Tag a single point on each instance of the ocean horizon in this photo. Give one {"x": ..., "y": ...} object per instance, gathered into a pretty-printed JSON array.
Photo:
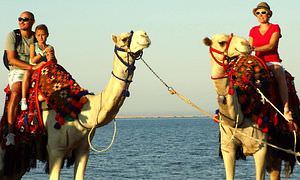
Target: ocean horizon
[{"x": 156, "y": 116}]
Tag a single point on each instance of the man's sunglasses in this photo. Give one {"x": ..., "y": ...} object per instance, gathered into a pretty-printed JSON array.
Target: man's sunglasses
[
  {"x": 20, "y": 19},
  {"x": 262, "y": 12}
]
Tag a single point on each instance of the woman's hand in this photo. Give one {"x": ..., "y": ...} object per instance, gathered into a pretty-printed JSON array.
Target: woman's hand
[{"x": 39, "y": 65}]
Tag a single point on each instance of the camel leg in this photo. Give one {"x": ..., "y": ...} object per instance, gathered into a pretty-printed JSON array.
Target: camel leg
[
  {"x": 229, "y": 163},
  {"x": 228, "y": 149},
  {"x": 2, "y": 177},
  {"x": 55, "y": 163},
  {"x": 275, "y": 173},
  {"x": 273, "y": 167},
  {"x": 260, "y": 163},
  {"x": 81, "y": 158}
]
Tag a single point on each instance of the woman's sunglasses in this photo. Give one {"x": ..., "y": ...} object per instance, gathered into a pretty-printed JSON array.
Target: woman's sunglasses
[
  {"x": 262, "y": 12},
  {"x": 20, "y": 19}
]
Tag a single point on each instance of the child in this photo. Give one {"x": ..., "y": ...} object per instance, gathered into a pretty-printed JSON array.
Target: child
[{"x": 39, "y": 51}]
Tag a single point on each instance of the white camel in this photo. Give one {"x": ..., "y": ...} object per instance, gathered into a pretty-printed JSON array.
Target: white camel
[
  {"x": 222, "y": 49},
  {"x": 98, "y": 111}
]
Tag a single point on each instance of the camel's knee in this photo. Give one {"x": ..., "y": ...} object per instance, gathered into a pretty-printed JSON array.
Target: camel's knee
[
  {"x": 261, "y": 153},
  {"x": 55, "y": 156},
  {"x": 274, "y": 175}
]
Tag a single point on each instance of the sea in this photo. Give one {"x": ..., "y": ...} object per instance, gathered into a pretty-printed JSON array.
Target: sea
[{"x": 158, "y": 148}]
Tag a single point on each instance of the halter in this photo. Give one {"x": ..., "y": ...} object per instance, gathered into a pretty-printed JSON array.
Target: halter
[
  {"x": 130, "y": 67},
  {"x": 222, "y": 63},
  {"x": 225, "y": 57}
]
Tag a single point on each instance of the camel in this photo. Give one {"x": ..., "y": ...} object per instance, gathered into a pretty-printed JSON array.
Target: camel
[
  {"x": 222, "y": 48},
  {"x": 99, "y": 110},
  {"x": 229, "y": 55}
]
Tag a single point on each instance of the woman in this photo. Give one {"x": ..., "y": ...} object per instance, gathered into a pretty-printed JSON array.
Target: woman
[{"x": 264, "y": 40}]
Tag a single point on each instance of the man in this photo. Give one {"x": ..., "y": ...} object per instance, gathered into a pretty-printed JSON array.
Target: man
[{"x": 18, "y": 58}]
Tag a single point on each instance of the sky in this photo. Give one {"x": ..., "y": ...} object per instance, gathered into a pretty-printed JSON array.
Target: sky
[{"x": 80, "y": 32}]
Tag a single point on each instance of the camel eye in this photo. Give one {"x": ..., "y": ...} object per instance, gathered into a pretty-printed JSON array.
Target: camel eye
[
  {"x": 245, "y": 43},
  {"x": 222, "y": 43},
  {"x": 125, "y": 39}
]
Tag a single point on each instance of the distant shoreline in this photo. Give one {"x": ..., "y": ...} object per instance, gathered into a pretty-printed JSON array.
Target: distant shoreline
[
  {"x": 162, "y": 116},
  {"x": 153, "y": 117}
]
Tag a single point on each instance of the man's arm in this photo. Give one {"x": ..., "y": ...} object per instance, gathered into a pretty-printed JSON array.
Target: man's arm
[{"x": 11, "y": 56}]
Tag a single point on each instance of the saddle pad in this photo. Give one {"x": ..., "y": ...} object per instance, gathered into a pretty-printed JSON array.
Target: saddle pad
[
  {"x": 60, "y": 91},
  {"x": 248, "y": 74}
]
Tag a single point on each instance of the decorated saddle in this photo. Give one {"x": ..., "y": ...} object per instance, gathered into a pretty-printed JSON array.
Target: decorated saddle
[
  {"x": 251, "y": 78},
  {"x": 250, "y": 75},
  {"x": 60, "y": 92}
]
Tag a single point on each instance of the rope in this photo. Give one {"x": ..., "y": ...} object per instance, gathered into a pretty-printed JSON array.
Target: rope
[
  {"x": 130, "y": 68},
  {"x": 155, "y": 74},
  {"x": 271, "y": 145},
  {"x": 186, "y": 100},
  {"x": 234, "y": 131},
  {"x": 111, "y": 143},
  {"x": 264, "y": 98},
  {"x": 93, "y": 129}
]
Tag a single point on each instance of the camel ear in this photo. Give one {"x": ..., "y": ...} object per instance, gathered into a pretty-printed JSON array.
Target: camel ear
[
  {"x": 114, "y": 38},
  {"x": 207, "y": 41}
]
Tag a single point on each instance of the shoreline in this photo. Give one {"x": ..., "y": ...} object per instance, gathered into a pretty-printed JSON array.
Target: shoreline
[{"x": 155, "y": 116}]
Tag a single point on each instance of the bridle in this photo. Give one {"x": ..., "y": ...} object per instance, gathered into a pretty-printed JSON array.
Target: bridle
[
  {"x": 225, "y": 58},
  {"x": 230, "y": 60},
  {"x": 130, "y": 67}
]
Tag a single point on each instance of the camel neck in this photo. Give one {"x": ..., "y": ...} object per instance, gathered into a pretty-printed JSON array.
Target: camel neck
[{"x": 112, "y": 97}]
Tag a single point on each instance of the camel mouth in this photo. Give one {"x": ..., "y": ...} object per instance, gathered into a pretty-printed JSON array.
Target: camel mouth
[
  {"x": 145, "y": 44},
  {"x": 243, "y": 52}
]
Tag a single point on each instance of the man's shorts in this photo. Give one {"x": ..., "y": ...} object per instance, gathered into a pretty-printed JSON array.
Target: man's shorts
[{"x": 15, "y": 75}]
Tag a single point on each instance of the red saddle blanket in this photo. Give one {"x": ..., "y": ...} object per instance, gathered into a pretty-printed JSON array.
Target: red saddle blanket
[
  {"x": 59, "y": 90},
  {"x": 250, "y": 74}
]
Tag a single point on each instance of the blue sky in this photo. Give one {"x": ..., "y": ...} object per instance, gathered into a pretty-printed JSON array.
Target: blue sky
[{"x": 81, "y": 32}]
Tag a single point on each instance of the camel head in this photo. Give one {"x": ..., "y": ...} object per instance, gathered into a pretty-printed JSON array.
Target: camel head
[
  {"x": 132, "y": 41},
  {"x": 223, "y": 49},
  {"x": 228, "y": 45},
  {"x": 128, "y": 48}
]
